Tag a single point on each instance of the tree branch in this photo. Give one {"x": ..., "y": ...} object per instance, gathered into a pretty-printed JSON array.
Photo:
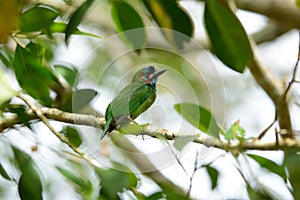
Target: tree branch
[
  {"x": 285, "y": 12},
  {"x": 275, "y": 90},
  {"x": 270, "y": 32},
  {"x": 54, "y": 114},
  {"x": 269, "y": 83},
  {"x": 61, "y": 137},
  {"x": 97, "y": 122}
]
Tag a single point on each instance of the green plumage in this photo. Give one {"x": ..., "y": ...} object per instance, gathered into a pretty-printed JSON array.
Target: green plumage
[{"x": 133, "y": 100}]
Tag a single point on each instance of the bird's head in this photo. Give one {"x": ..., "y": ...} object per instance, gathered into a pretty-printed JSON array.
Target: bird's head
[{"x": 148, "y": 75}]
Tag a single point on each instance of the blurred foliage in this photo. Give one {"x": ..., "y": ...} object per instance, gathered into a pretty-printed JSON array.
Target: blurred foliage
[
  {"x": 115, "y": 181},
  {"x": 203, "y": 119},
  {"x": 30, "y": 36},
  {"x": 126, "y": 19},
  {"x": 270, "y": 165},
  {"x": 291, "y": 162},
  {"x": 37, "y": 19},
  {"x": 73, "y": 135},
  {"x": 225, "y": 30},
  {"x": 169, "y": 15},
  {"x": 76, "y": 18},
  {"x": 29, "y": 69},
  {"x": 9, "y": 16},
  {"x": 30, "y": 182}
]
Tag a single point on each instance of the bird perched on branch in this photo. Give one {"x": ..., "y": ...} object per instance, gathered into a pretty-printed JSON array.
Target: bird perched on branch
[{"x": 133, "y": 100}]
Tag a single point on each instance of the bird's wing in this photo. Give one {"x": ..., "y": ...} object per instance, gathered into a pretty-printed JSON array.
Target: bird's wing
[
  {"x": 141, "y": 100},
  {"x": 122, "y": 105},
  {"x": 115, "y": 113},
  {"x": 133, "y": 100}
]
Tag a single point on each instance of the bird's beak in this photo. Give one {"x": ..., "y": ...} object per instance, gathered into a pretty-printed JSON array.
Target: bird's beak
[{"x": 158, "y": 73}]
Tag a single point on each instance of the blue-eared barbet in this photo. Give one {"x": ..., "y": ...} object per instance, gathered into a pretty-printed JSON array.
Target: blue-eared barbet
[{"x": 133, "y": 100}]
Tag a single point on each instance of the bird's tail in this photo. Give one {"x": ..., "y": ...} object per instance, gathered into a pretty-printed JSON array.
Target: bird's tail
[{"x": 107, "y": 128}]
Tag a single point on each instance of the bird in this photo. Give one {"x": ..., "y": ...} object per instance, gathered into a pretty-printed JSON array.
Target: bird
[{"x": 132, "y": 100}]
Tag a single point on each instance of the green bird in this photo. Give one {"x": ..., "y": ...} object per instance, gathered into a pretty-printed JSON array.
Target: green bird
[{"x": 133, "y": 100}]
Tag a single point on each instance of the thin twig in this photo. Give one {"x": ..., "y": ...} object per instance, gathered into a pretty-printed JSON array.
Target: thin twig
[
  {"x": 268, "y": 128},
  {"x": 196, "y": 167},
  {"x": 282, "y": 103},
  {"x": 61, "y": 137},
  {"x": 177, "y": 159},
  {"x": 273, "y": 87},
  {"x": 295, "y": 72}
]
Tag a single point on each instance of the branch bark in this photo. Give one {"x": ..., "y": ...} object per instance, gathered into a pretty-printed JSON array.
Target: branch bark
[
  {"x": 55, "y": 114},
  {"x": 275, "y": 90},
  {"x": 270, "y": 32},
  {"x": 61, "y": 137},
  {"x": 97, "y": 122},
  {"x": 284, "y": 12}
]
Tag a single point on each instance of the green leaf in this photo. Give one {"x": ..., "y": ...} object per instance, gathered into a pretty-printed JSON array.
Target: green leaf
[
  {"x": 20, "y": 111},
  {"x": 83, "y": 97},
  {"x": 37, "y": 19},
  {"x": 254, "y": 193},
  {"x": 228, "y": 37},
  {"x": 126, "y": 18},
  {"x": 21, "y": 158},
  {"x": 33, "y": 76},
  {"x": 5, "y": 90},
  {"x": 60, "y": 27},
  {"x": 73, "y": 135},
  {"x": 4, "y": 173},
  {"x": 80, "y": 184},
  {"x": 235, "y": 132},
  {"x": 69, "y": 73},
  {"x": 76, "y": 18},
  {"x": 169, "y": 15},
  {"x": 155, "y": 196},
  {"x": 199, "y": 117},
  {"x": 213, "y": 174},
  {"x": 30, "y": 183},
  {"x": 291, "y": 163},
  {"x": 181, "y": 142},
  {"x": 114, "y": 181},
  {"x": 76, "y": 100},
  {"x": 132, "y": 129},
  {"x": 269, "y": 165}
]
